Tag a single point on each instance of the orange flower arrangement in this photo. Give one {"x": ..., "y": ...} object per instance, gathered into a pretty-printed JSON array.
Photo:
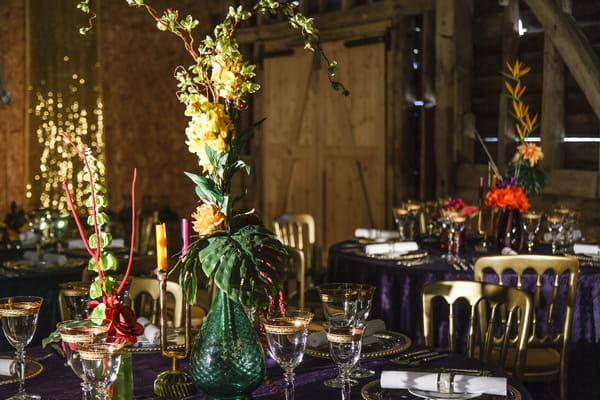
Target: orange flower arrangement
[{"x": 510, "y": 196}]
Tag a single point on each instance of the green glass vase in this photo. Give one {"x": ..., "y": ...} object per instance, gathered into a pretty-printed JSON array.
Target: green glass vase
[{"x": 227, "y": 360}]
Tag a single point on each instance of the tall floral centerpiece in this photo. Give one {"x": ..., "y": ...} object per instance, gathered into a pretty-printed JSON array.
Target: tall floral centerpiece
[
  {"x": 509, "y": 194},
  {"x": 232, "y": 249}
]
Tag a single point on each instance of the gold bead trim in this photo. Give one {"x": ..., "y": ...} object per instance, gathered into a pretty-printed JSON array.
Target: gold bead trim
[{"x": 19, "y": 309}]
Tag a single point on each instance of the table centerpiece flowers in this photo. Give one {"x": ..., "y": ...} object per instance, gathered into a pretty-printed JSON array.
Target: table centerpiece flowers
[
  {"x": 508, "y": 195},
  {"x": 232, "y": 249}
]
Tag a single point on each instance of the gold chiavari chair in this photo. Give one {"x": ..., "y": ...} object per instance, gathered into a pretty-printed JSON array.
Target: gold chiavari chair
[
  {"x": 553, "y": 313},
  {"x": 499, "y": 316}
]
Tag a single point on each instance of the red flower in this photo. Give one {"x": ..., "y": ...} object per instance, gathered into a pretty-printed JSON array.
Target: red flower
[{"x": 124, "y": 323}]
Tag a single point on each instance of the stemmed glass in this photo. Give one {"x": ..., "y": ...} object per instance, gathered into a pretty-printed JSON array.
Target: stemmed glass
[
  {"x": 340, "y": 305},
  {"x": 365, "y": 299},
  {"x": 74, "y": 333},
  {"x": 286, "y": 337},
  {"x": 76, "y": 296},
  {"x": 344, "y": 346},
  {"x": 101, "y": 362},
  {"x": 19, "y": 316},
  {"x": 555, "y": 228},
  {"x": 413, "y": 213},
  {"x": 531, "y": 225},
  {"x": 400, "y": 216}
]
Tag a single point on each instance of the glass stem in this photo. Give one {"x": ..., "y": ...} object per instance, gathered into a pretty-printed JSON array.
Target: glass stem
[
  {"x": 346, "y": 385},
  {"x": 289, "y": 385},
  {"x": 21, "y": 368},
  {"x": 86, "y": 389}
]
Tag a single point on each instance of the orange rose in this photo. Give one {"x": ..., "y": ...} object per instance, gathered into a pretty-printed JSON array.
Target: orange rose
[{"x": 207, "y": 219}]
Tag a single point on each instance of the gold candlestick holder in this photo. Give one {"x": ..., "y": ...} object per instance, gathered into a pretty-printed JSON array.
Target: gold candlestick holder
[{"x": 173, "y": 383}]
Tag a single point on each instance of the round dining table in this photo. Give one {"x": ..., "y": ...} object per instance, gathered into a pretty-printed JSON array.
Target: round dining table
[
  {"x": 56, "y": 381},
  {"x": 399, "y": 283}
]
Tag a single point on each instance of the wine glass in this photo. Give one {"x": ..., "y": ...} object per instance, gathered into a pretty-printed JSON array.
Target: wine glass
[
  {"x": 531, "y": 225},
  {"x": 19, "y": 316},
  {"x": 400, "y": 216},
  {"x": 414, "y": 210},
  {"x": 344, "y": 346},
  {"x": 555, "y": 228},
  {"x": 286, "y": 338},
  {"x": 340, "y": 305},
  {"x": 73, "y": 333},
  {"x": 365, "y": 299},
  {"x": 76, "y": 296},
  {"x": 101, "y": 361}
]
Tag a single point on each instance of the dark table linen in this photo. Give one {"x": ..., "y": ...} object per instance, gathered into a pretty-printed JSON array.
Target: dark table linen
[{"x": 58, "y": 382}]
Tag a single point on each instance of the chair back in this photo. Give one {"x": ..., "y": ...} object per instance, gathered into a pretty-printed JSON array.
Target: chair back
[
  {"x": 298, "y": 231},
  {"x": 150, "y": 287},
  {"x": 553, "y": 304},
  {"x": 499, "y": 318},
  {"x": 295, "y": 282}
]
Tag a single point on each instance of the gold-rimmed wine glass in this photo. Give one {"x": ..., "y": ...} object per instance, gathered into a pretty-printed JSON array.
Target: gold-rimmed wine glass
[
  {"x": 400, "y": 217},
  {"x": 340, "y": 305},
  {"x": 101, "y": 361},
  {"x": 365, "y": 300},
  {"x": 286, "y": 339},
  {"x": 414, "y": 209},
  {"x": 345, "y": 344},
  {"x": 19, "y": 317},
  {"x": 74, "y": 333},
  {"x": 555, "y": 228},
  {"x": 531, "y": 221},
  {"x": 76, "y": 297}
]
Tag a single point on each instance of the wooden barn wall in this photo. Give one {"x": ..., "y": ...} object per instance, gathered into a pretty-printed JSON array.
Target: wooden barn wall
[
  {"x": 12, "y": 116},
  {"x": 573, "y": 181}
]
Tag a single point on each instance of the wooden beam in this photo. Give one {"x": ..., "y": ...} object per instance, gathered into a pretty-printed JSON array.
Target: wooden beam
[
  {"x": 575, "y": 49},
  {"x": 510, "y": 44}
]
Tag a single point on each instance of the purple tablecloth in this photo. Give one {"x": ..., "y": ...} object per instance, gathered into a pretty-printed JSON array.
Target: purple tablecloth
[
  {"x": 58, "y": 382},
  {"x": 398, "y": 302}
]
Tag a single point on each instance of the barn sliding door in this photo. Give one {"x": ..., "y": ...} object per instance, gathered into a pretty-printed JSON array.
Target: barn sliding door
[{"x": 323, "y": 153}]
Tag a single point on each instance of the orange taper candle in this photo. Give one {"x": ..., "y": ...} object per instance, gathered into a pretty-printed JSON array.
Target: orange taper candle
[{"x": 161, "y": 246}]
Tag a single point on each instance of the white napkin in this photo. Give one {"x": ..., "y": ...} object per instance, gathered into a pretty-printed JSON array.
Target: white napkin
[
  {"x": 387, "y": 248},
  {"x": 375, "y": 234},
  {"x": 319, "y": 338},
  {"x": 151, "y": 332},
  {"x": 7, "y": 367},
  {"x": 78, "y": 243},
  {"x": 579, "y": 248},
  {"x": 28, "y": 238},
  {"x": 428, "y": 381},
  {"x": 52, "y": 259}
]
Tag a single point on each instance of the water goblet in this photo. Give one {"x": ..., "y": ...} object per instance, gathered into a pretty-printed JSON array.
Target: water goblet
[
  {"x": 340, "y": 305},
  {"x": 74, "y": 333},
  {"x": 101, "y": 361},
  {"x": 19, "y": 316},
  {"x": 76, "y": 297},
  {"x": 365, "y": 299},
  {"x": 345, "y": 343},
  {"x": 286, "y": 338},
  {"x": 531, "y": 225},
  {"x": 400, "y": 216},
  {"x": 555, "y": 228}
]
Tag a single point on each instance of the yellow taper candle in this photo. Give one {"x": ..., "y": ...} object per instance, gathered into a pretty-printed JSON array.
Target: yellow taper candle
[{"x": 161, "y": 246}]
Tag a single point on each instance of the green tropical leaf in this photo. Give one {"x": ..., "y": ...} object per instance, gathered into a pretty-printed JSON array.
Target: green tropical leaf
[{"x": 206, "y": 188}]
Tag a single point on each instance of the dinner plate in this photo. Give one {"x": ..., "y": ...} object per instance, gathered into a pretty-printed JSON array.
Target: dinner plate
[
  {"x": 24, "y": 265},
  {"x": 426, "y": 394},
  {"x": 373, "y": 391},
  {"x": 379, "y": 344},
  {"x": 32, "y": 368}
]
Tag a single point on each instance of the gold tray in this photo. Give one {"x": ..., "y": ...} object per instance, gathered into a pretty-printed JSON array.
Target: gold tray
[
  {"x": 388, "y": 343},
  {"x": 32, "y": 369},
  {"x": 373, "y": 391}
]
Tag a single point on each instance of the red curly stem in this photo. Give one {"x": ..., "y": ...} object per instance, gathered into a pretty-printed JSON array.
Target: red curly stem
[{"x": 132, "y": 233}]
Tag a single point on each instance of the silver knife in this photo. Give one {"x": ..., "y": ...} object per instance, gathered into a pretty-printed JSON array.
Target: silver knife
[
  {"x": 418, "y": 357},
  {"x": 426, "y": 359},
  {"x": 411, "y": 354}
]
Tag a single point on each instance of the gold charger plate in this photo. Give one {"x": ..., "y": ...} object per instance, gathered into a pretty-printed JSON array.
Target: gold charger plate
[
  {"x": 410, "y": 257},
  {"x": 24, "y": 265},
  {"x": 373, "y": 391},
  {"x": 32, "y": 369},
  {"x": 386, "y": 343}
]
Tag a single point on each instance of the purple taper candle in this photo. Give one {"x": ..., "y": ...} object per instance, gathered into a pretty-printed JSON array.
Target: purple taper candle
[{"x": 185, "y": 236}]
